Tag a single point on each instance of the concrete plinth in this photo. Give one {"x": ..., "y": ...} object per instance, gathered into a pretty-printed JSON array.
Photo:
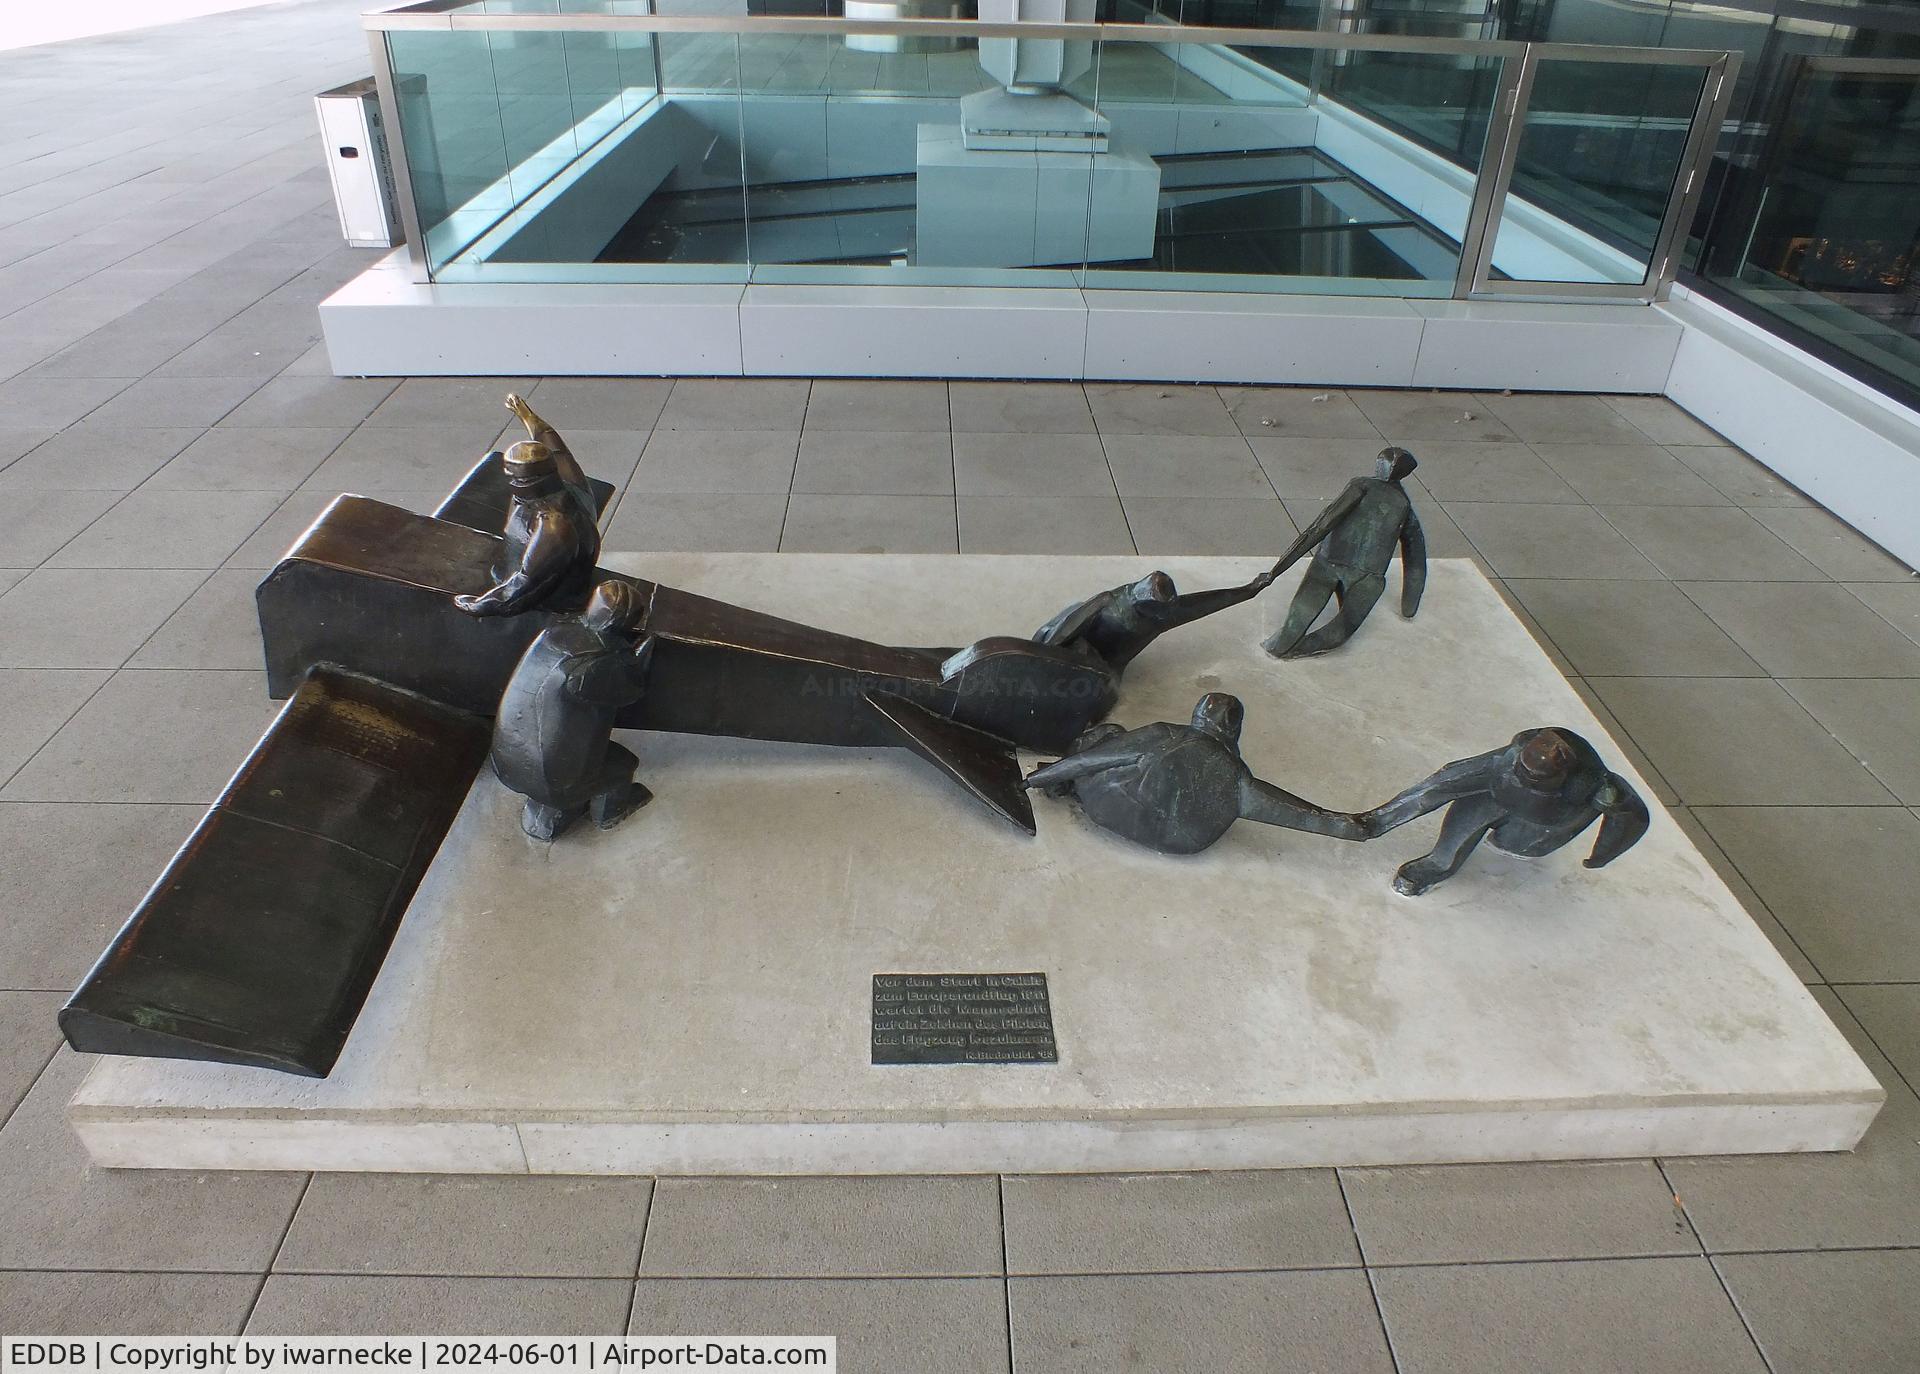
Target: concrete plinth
[{"x": 690, "y": 992}]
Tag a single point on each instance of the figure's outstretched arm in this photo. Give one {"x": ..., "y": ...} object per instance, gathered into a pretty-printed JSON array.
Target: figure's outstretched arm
[
  {"x": 1625, "y": 820},
  {"x": 1270, "y": 805},
  {"x": 1076, "y": 766},
  {"x": 1461, "y": 778},
  {"x": 1191, "y": 606},
  {"x": 539, "y": 430},
  {"x": 1413, "y": 564},
  {"x": 1322, "y": 525},
  {"x": 542, "y": 567}
]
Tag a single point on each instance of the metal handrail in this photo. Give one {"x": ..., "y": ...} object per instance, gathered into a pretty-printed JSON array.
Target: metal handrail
[
  {"x": 443, "y": 15},
  {"x": 1520, "y": 60}
]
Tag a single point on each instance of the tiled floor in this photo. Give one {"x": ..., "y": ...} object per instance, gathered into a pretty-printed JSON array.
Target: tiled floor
[{"x": 166, "y": 426}]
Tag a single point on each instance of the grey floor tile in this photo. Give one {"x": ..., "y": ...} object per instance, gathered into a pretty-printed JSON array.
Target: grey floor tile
[
  {"x": 1622, "y": 1316},
  {"x": 57, "y": 1211},
  {"x": 881, "y": 1326},
  {"x": 313, "y": 1305},
  {"x": 1490, "y": 472},
  {"x": 1807, "y": 629},
  {"x": 1701, "y": 734},
  {"x": 1731, "y": 472},
  {"x": 150, "y": 736},
  {"x": 1743, "y": 892},
  {"x": 897, "y": 406},
  {"x": 1878, "y": 720},
  {"x": 874, "y": 463},
  {"x": 735, "y": 403},
  {"x": 1319, "y": 1320},
  {"x": 38, "y": 702},
  {"x": 15, "y": 442},
  {"x": 168, "y": 529},
  {"x": 570, "y": 403},
  {"x": 59, "y": 917},
  {"x": 1841, "y": 879},
  {"x": 1631, "y": 629},
  {"x": 249, "y": 459},
  {"x": 548, "y": 1227},
  {"x": 717, "y": 460},
  {"x": 1662, "y": 421},
  {"x": 1523, "y": 540},
  {"x": 1710, "y": 544},
  {"x": 1635, "y": 755},
  {"x": 42, "y": 402},
  {"x": 824, "y": 1227},
  {"x": 466, "y": 404},
  {"x": 371, "y": 462},
  {"x": 1179, "y": 465},
  {"x": 1019, "y": 408},
  {"x": 1171, "y": 525},
  {"x": 42, "y": 520},
  {"x": 10, "y": 577},
  {"x": 1629, "y": 474},
  {"x": 1044, "y": 524},
  {"x": 1890, "y": 1013},
  {"x": 1030, "y": 465},
  {"x": 1314, "y": 468},
  {"x": 1849, "y": 1313},
  {"x": 96, "y": 458},
  {"x": 29, "y": 1035},
  {"x": 157, "y": 402},
  {"x": 217, "y": 627},
  {"x": 293, "y": 402},
  {"x": 1173, "y": 1223},
  {"x": 1550, "y": 418},
  {"x": 87, "y": 618},
  {"x": 312, "y": 363},
  {"x": 870, "y": 524},
  {"x": 1407, "y": 417},
  {"x": 1302, "y": 411},
  {"x": 1482, "y": 1212},
  {"x": 695, "y": 522},
  {"x": 1164, "y": 408},
  {"x": 1897, "y": 603},
  {"x": 1869, "y": 1197},
  {"x": 52, "y": 1304},
  {"x": 1833, "y": 546}
]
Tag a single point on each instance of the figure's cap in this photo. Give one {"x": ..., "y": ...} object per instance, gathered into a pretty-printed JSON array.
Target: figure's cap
[
  {"x": 528, "y": 459},
  {"x": 614, "y": 603},
  {"x": 1220, "y": 714},
  {"x": 1155, "y": 586},
  {"x": 1396, "y": 464},
  {"x": 1546, "y": 759}
]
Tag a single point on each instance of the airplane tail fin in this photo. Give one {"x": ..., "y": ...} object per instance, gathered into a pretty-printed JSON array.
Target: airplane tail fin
[{"x": 988, "y": 768}]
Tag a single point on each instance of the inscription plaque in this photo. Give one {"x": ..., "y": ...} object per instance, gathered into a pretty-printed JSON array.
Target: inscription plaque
[{"x": 962, "y": 1018}]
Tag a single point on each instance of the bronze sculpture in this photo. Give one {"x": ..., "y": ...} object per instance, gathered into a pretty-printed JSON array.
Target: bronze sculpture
[
  {"x": 1117, "y": 624},
  {"x": 1353, "y": 540},
  {"x": 1528, "y": 799},
  {"x": 552, "y": 533},
  {"x": 553, "y": 734},
  {"x": 1178, "y": 788}
]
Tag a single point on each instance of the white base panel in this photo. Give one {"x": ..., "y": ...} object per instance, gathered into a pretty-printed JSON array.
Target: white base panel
[
  {"x": 384, "y": 324},
  {"x": 1847, "y": 446},
  {"x": 690, "y": 993}
]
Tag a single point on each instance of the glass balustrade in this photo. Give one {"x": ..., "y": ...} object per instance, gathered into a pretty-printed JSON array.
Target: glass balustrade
[{"x": 581, "y": 141}]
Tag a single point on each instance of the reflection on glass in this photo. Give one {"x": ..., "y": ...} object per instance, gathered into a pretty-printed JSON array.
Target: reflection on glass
[
  {"x": 1601, "y": 149},
  {"x": 1832, "y": 221}
]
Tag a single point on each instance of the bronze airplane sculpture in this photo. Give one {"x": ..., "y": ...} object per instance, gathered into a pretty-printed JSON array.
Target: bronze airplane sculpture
[{"x": 394, "y": 636}]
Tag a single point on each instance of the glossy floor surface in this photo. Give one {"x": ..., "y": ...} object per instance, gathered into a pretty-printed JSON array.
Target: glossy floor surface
[{"x": 167, "y": 425}]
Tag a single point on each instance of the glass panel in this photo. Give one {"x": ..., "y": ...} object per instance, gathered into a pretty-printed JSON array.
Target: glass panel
[
  {"x": 1257, "y": 193},
  {"x": 1826, "y": 234},
  {"x": 1600, "y": 152}
]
